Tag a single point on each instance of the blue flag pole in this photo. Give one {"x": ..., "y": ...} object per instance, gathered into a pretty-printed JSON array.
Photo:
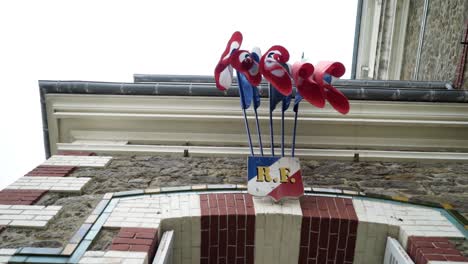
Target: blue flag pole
[
  {"x": 243, "y": 103},
  {"x": 293, "y": 148},
  {"x": 270, "y": 88},
  {"x": 282, "y": 133},
  {"x": 258, "y": 131}
]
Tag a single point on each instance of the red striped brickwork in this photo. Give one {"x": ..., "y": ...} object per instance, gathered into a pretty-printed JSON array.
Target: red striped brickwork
[
  {"x": 328, "y": 230},
  {"x": 51, "y": 171},
  {"x": 424, "y": 249},
  {"x": 20, "y": 197},
  {"x": 227, "y": 229},
  {"x": 137, "y": 239},
  {"x": 75, "y": 153}
]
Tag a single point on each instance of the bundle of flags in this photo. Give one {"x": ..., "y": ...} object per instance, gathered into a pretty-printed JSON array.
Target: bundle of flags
[
  {"x": 314, "y": 84},
  {"x": 277, "y": 176}
]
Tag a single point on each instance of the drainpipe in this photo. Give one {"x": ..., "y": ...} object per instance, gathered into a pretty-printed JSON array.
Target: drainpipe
[
  {"x": 421, "y": 40},
  {"x": 461, "y": 65},
  {"x": 357, "y": 33}
]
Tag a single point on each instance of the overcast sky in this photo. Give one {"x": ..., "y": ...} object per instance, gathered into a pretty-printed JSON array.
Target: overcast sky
[{"x": 110, "y": 40}]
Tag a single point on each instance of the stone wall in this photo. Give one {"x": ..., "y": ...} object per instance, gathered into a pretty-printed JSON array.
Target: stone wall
[
  {"x": 441, "y": 47},
  {"x": 429, "y": 182}
]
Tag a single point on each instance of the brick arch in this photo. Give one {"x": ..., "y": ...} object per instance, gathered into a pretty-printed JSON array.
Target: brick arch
[{"x": 234, "y": 227}]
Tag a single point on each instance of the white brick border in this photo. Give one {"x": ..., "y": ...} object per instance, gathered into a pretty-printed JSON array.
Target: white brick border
[
  {"x": 79, "y": 161},
  {"x": 27, "y": 215}
]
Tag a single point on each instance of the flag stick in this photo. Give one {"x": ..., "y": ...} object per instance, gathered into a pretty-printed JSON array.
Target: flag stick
[
  {"x": 293, "y": 148},
  {"x": 241, "y": 92},
  {"x": 271, "y": 122},
  {"x": 296, "y": 111},
  {"x": 282, "y": 133},
  {"x": 258, "y": 131}
]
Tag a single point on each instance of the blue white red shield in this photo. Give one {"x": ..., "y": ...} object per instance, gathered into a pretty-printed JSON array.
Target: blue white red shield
[{"x": 278, "y": 177}]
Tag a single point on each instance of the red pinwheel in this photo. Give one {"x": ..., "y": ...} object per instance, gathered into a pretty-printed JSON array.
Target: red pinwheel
[
  {"x": 303, "y": 78},
  {"x": 244, "y": 62},
  {"x": 325, "y": 73},
  {"x": 223, "y": 71},
  {"x": 274, "y": 68}
]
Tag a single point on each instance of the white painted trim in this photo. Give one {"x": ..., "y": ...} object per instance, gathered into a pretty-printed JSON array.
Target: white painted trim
[
  {"x": 373, "y": 25},
  {"x": 400, "y": 21},
  {"x": 395, "y": 253},
  {"x": 92, "y": 122},
  {"x": 164, "y": 253}
]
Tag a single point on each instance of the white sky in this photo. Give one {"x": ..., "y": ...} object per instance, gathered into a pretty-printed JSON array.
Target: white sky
[{"x": 110, "y": 40}]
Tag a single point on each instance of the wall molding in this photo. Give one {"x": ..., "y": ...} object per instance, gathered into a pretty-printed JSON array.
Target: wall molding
[{"x": 76, "y": 121}]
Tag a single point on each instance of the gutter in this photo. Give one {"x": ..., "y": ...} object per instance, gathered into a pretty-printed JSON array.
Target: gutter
[{"x": 357, "y": 33}]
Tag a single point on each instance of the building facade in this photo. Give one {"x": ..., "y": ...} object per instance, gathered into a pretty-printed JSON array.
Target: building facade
[{"x": 154, "y": 171}]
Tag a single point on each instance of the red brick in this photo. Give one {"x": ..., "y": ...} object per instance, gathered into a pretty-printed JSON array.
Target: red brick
[
  {"x": 322, "y": 256},
  {"x": 223, "y": 222},
  {"x": 420, "y": 250},
  {"x": 350, "y": 247},
  {"x": 340, "y": 256},
  {"x": 137, "y": 239},
  {"x": 139, "y": 248},
  {"x": 438, "y": 244},
  {"x": 250, "y": 235},
  {"x": 205, "y": 248},
  {"x": 240, "y": 260},
  {"x": 231, "y": 254},
  {"x": 205, "y": 222},
  {"x": 223, "y": 238},
  {"x": 75, "y": 153},
  {"x": 53, "y": 171},
  {"x": 432, "y": 257},
  {"x": 324, "y": 233},
  {"x": 241, "y": 221},
  {"x": 120, "y": 247},
  {"x": 249, "y": 254},
  {"x": 441, "y": 251},
  {"x": 303, "y": 254},
  {"x": 145, "y": 235},
  {"x": 20, "y": 197},
  {"x": 213, "y": 255},
  {"x": 214, "y": 240},
  {"x": 456, "y": 258},
  {"x": 332, "y": 246},
  {"x": 124, "y": 234}
]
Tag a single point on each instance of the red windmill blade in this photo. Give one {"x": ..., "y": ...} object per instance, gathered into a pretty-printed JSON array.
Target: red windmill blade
[
  {"x": 223, "y": 71},
  {"x": 325, "y": 73},
  {"x": 305, "y": 84},
  {"x": 243, "y": 61},
  {"x": 272, "y": 67}
]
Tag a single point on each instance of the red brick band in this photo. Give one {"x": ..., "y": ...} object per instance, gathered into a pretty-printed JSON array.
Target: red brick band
[
  {"x": 51, "y": 171},
  {"x": 137, "y": 239},
  {"x": 75, "y": 153},
  {"x": 20, "y": 197},
  {"x": 328, "y": 230},
  {"x": 227, "y": 228},
  {"x": 424, "y": 249}
]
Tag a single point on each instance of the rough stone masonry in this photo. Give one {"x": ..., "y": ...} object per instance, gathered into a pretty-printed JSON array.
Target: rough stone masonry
[{"x": 436, "y": 182}]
